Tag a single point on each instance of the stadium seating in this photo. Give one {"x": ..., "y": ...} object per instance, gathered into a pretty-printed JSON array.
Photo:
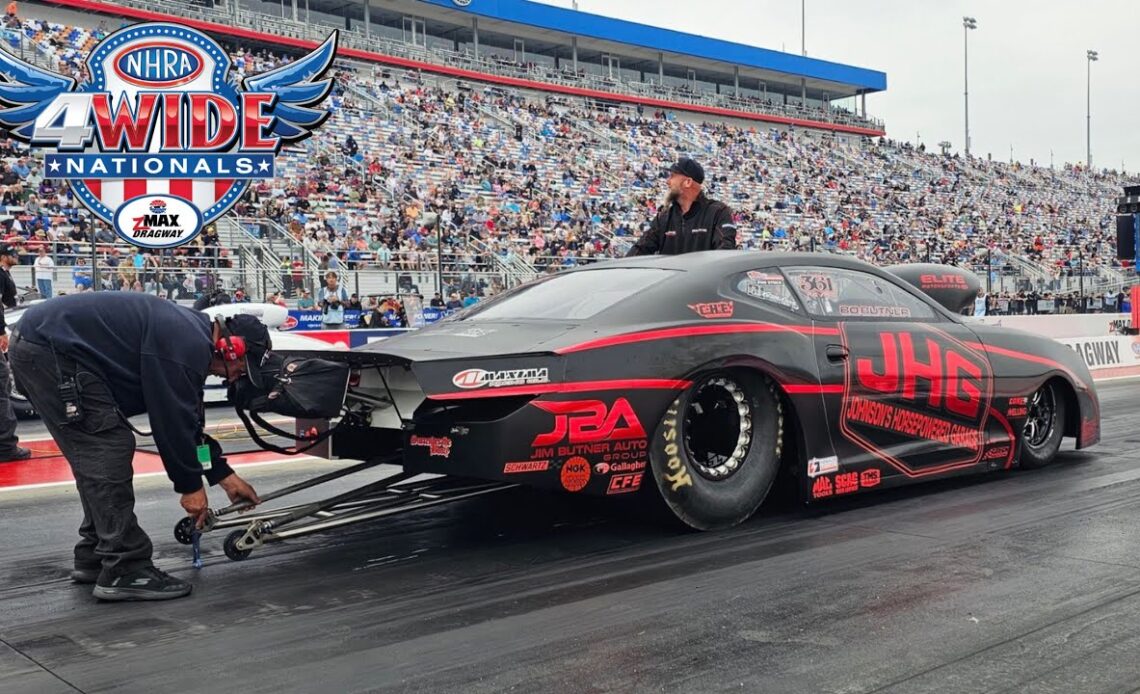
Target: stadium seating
[{"x": 582, "y": 181}]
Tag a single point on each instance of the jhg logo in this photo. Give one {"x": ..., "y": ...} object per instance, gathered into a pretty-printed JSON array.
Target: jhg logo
[
  {"x": 160, "y": 142},
  {"x": 587, "y": 421},
  {"x": 954, "y": 377}
]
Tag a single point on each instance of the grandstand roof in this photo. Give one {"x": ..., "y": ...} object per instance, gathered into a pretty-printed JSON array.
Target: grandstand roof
[{"x": 556, "y": 25}]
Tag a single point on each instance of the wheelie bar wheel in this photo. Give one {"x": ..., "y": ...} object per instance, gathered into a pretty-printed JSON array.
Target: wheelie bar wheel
[
  {"x": 184, "y": 531},
  {"x": 230, "y": 546}
]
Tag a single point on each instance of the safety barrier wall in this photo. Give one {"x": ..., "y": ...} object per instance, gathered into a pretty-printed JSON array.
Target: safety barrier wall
[{"x": 1108, "y": 355}]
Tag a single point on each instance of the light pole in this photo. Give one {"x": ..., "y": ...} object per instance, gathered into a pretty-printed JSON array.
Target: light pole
[
  {"x": 968, "y": 23},
  {"x": 1092, "y": 58}
]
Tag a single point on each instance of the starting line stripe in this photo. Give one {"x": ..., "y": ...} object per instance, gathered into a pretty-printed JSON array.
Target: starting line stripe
[
  {"x": 48, "y": 467},
  {"x": 146, "y": 475}
]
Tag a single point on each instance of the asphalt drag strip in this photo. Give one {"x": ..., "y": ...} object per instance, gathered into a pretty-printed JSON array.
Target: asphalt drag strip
[{"x": 1025, "y": 581}]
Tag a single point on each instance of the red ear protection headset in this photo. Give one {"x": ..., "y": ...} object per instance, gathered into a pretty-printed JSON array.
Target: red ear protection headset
[{"x": 231, "y": 347}]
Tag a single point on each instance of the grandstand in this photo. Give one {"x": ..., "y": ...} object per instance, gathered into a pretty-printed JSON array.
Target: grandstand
[{"x": 526, "y": 170}]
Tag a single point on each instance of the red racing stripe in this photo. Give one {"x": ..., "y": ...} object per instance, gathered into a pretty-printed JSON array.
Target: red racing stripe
[
  {"x": 694, "y": 331},
  {"x": 573, "y": 387},
  {"x": 809, "y": 389}
]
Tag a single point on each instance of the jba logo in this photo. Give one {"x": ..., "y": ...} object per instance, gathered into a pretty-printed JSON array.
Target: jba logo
[
  {"x": 587, "y": 421},
  {"x": 160, "y": 121}
]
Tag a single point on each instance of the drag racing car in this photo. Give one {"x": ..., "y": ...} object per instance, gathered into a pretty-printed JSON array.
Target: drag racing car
[
  {"x": 700, "y": 376},
  {"x": 694, "y": 379}
]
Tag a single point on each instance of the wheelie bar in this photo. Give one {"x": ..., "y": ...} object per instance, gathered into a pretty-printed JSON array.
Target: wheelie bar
[{"x": 389, "y": 496}]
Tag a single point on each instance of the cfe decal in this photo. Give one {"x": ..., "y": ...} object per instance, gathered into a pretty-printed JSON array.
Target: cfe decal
[
  {"x": 916, "y": 398},
  {"x": 161, "y": 141}
]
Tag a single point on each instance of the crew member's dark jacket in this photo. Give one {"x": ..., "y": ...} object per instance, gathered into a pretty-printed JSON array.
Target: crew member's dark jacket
[
  {"x": 7, "y": 296},
  {"x": 153, "y": 354},
  {"x": 707, "y": 226}
]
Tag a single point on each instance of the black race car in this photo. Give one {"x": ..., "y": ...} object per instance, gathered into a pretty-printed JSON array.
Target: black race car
[{"x": 702, "y": 375}]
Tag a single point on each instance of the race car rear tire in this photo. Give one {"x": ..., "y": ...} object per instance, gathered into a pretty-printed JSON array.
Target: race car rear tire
[
  {"x": 1044, "y": 426},
  {"x": 717, "y": 449}
]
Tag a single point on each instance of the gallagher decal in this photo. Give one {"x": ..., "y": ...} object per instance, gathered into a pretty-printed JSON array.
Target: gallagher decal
[
  {"x": 917, "y": 398},
  {"x": 161, "y": 142}
]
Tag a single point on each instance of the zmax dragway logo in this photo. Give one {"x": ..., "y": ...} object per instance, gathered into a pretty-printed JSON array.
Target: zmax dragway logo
[{"x": 160, "y": 142}]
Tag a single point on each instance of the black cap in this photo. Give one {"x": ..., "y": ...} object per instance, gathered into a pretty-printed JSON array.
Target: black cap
[
  {"x": 687, "y": 167},
  {"x": 257, "y": 342},
  {"x": 8, "y": 249}
]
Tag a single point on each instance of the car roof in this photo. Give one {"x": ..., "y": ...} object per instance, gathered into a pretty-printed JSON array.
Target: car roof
[{"x": 726, "y": 262}]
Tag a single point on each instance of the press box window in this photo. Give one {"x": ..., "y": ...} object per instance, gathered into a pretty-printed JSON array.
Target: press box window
[{"x": 850, "y": 294}]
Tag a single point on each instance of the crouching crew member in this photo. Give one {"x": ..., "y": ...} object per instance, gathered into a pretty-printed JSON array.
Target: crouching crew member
[
  {"x": 88, "y": 361},
  {"x": 689, "y": 221}
]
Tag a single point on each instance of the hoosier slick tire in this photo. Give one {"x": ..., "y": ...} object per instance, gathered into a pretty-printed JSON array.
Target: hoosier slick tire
[
  {"x": 716, "y": 451},
  {"x": 1044, "y": 426}
]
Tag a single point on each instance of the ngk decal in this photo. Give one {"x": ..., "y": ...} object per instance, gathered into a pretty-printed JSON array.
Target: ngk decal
[
  {"x": 917, "y": 398},
  {"x": 478, "y": 378}
]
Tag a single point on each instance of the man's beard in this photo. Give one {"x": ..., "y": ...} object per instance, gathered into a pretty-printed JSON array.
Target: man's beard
[{"x": 671, "y": 197}]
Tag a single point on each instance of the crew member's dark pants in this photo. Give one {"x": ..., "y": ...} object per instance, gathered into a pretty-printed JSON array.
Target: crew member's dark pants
[
  {"x": 100, "y": 449},
  {"x": 9, "y": 442}
]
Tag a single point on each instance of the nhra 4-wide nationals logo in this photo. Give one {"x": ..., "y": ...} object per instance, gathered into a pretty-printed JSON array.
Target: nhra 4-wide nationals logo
[{"x": 159, "y": 142}]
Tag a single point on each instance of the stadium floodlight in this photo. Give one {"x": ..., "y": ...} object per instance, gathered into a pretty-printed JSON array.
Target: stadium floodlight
[
  {"x": 968, "y": 23},
  {"x": 1092, "y": 56}
]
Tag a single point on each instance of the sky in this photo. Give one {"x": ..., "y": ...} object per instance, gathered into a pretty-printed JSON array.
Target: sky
[{"x": 1027, "y": 64}]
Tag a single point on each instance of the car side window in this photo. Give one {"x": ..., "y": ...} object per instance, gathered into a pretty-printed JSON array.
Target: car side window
[
  {"x": 841, "y": 294},
  {"x": 767, "y": 286}
]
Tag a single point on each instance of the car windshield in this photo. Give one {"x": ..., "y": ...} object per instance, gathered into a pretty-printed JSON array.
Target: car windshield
[{"x": 572, "y": 296}]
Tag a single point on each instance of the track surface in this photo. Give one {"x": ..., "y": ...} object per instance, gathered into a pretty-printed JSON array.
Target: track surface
[{"x": 1025, "y": 582}]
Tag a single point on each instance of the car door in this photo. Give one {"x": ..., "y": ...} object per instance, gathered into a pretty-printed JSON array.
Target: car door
[
  {"x": 910, "y": 390},
  {"x": 766, "y": 289}
]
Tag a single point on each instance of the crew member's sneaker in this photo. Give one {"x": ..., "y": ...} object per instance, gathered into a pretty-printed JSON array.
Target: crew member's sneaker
[
  {"x": 85, "y": 576},
  {"x": 144, "y": 584},
  {"x": 18, "y": 454}
]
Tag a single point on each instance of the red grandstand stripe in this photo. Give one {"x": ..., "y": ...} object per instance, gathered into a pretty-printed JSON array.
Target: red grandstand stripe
[
  {"x": 573, "y": 387},
  {"x": 694, "y": 331},
  {"x": 221, "y": 187},
  {"x": 95, "y": 186},
  {"x": 811, "y": 389},
  {"x": 133, "y": 188},
  {"x": 183, "y": 188}
]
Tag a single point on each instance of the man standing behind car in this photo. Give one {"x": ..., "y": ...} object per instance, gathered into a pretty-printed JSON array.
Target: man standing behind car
[
  {"x": 690, "y": 221},
  {"x": 10, "y": 449},
  {"x": 86, "y": 362}
]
